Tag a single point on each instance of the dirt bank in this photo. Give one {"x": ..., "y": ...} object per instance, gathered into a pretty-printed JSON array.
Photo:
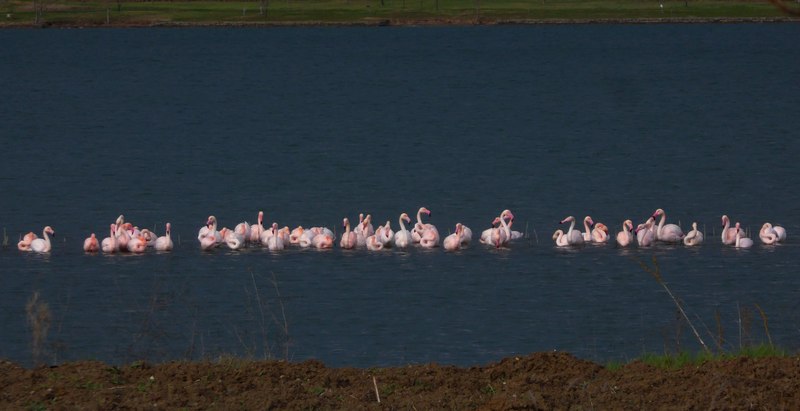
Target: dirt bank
[{"x": 538, "y": 381}]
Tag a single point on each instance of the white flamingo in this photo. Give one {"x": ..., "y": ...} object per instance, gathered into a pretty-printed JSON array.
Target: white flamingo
[
  {"x": 588, "y": 223},
  {"x": 109, "y": 244},
  {"x": 741, "y": 240},
  {"x": 164, "y": 243},
  {"x": 560, "y": 238},
  {"x": 402, "y": 238},
  {"x": 668, "y": 233},
  {"x": 574, "y": 237},
  {"x": 453, "y": 241},
  {"x": 693, "y": 237}
]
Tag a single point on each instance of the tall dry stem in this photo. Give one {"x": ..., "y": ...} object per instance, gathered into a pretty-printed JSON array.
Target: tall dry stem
[
  {"x": 656, "y": 273},
  {"x": 38, "y": 314},
  {"x": 766, "y": 327}
]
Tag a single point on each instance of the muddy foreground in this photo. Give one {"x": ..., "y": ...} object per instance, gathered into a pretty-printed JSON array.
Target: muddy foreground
[{"x": 538, "y": 381}]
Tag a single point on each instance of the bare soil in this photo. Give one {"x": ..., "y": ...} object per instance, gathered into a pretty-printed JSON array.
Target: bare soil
[{"x": 538, "y": 381}]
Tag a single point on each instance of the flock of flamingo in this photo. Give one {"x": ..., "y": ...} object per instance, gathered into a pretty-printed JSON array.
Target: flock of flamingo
[{"x": 125, "y": 237}]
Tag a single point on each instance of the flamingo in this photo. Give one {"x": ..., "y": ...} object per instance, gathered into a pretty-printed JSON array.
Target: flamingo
[
  {"x": 486, "y": 235},
  {"x": 386, "y": 235},
  {"x": 349, "y": 238},
  {"x": 741, "y": 240},
  {"x": 770, "y": 235},
  {"x": 693, "y": 237},
  {"x": 323, "y": 238},
  {"x": 25, "y": 243},
  {"x": 728, "y": 233},
  {"x": 257, "y": 229},
  {"x": 419, "y": 227},
  {"x": 574, "y": 237},
  {"x": 210, "y": 229},
  {"x": 502, "y": 235},
  {"x": 122, "y": 236},
  {"x": 243, "y": 229},
  {"x": 306, "y": 239},
  {"x": 209, "y": 241},
  {"x": 237, "y": 238},
  {"x": 373, "y": 242},
  {"x": 600, "y": 233},
  {"x": 109, "y": 244},
  {"x": 515, "y": 235},
  {"x": 453, "y": 241},
  {"x": 365, "y": 227},
  {"x": 137, "y": 244},
  {"x": 149, "y": 237},
  {"x": 588, "y": 223},
  {"x": 275, "y": 241},
  {"x": 644, "y": 233},
  {"x": 294, "y": 237},
  {"x": 164, "y": 243},
  {"x": 91, "y": 245},
  {"x": 668, "y": 233},
  {"x": 780, "y": 231},
  {"x": 624, "y": 237},
  {"x": 466, "y": 234},
  {"x": 402, "y": 238},
  {"x": 560, "y": 238}
]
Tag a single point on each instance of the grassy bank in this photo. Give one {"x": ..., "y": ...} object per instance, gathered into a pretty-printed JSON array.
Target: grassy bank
[{"x": 374, "y": 12}]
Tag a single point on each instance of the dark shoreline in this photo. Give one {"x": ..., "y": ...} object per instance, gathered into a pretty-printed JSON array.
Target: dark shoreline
[{"x": 414, "y": 23}]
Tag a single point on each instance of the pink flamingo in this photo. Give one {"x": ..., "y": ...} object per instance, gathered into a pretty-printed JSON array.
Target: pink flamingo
[
  {"x": 502, "y": 235},
  {"x": 453, "y": 241},
  {"x": 294, "y": 238},
  {"x": 373, "y": 243},
  {"x": 149, "y": 237},
  {"x": 486, "y": 235},
  {"x": 600, "y": 233},
  {"x": 122, "y": 236},
  {"x": 109, "y": 244},
  {"x": 728, "y": 233},
  {"x": 91, "y": 245},
  {"x": 349, "y": 238},
  {"x": 644, "y": 233},
  {"x": 137, "y": 244},
  {"x": 257, "y": 229},
  {"x": 624, "y": 237},
  {"x": 668, "y": 233},
  {"x": 164, "y": 243},
  {"x": 43, "y": 245},
  {"x": 323, "y": 239},
  {"x": 25, "y": 243}
]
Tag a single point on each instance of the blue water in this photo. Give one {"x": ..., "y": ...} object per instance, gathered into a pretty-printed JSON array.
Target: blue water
[{"x": 315, "y": 124}]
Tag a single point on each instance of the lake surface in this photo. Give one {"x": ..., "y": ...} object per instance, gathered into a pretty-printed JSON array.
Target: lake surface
[{"x": 315, "y": 124}]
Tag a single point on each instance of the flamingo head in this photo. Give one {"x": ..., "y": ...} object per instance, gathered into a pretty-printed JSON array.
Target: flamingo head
[
  {"x": 725, "y": 220},
  {"x": 568, "y": 219},
  {"x": 629, "y": 224},
  {"x": 639, "y": 227},
  {"x": 260, "y": 217},
  {"x": 496, "y": 221},
  {"x": 557, "y": 234},
  {"x": 405, "y": 217},
  {"x": 168, "y": 226},
  {"x": 601, "y": 226},
  {"x": 120, "y": 219},
  {"x": 459, "y": 228},
  {"x": 588, "y": 220},
  {"x": 345, "y": 223},
  {"x": 507, "y": 213},
  {"x": 211, "y": 220},
  {"x": 360, "y": 218},
  {"x": 658, "y": 213},
  {"x": 424, "y": 210}
]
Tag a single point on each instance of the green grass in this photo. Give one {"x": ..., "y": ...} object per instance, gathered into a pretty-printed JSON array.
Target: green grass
[
  {"x": 683, "y": 359},
  {"x": 371, "y": 11}
]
